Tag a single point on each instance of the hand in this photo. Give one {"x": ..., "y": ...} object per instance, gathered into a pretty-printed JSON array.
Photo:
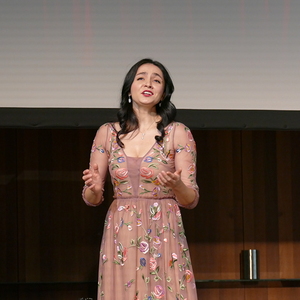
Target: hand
[
  {"x": 170, "y": 179},
  {"x": 92, "y": 179}
]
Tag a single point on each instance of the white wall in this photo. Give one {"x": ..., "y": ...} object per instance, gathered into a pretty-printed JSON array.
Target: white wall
[{"x": 233, "y": 54}]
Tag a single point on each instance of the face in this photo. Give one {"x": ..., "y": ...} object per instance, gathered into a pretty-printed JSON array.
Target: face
[{"x": 148, "y": 86}]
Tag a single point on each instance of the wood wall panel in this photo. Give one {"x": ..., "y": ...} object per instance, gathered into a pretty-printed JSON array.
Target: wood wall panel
[
  {"x": 260, "y": 199},
  {"x": 271, "y": 189},
  {"x": 8, "y": 207},
  {"x": 288, "y": 177},
  {"x": 214, "y": 227},
  {"x": 59, "y": 234},
  {"x": 280, "y": 293},
  {"x": 221, "y": 294},
  {"x": 249, "y": 198}
]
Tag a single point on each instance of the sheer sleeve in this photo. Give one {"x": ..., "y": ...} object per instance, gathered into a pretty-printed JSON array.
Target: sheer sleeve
[
  {"x": 99, "y": 156},
  {"x": 185, "y": 158}
]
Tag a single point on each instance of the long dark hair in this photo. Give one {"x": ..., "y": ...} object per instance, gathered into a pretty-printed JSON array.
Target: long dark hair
[{"x": 165, "y": 109}]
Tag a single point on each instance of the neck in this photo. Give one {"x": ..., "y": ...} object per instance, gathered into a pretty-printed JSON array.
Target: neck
[
  {"x": 147, "y": 120},
  {"x": 146, "y": 125},
  {"x": 143, "y": 113}
]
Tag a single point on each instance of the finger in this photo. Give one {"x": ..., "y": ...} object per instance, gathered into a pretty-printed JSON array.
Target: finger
[
  {"x": 86, "y": 171},
  {"x": 172, "y": 176},
  {"x": 178, "y": 172},
  {"x": 88, "y": 182},
  {"x": 163, "y": 176},
  {"x": 166, "y": 180},
  {"x": 87, "y": 176},
  {"x": 176, "y": 175},
  {"x": 161, "y": 179}
]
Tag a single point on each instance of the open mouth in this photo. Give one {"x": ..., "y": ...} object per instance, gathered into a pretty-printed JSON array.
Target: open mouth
[{"x": 147, "y": 93}]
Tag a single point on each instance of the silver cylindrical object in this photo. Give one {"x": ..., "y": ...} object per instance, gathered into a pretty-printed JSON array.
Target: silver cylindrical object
[{"x": 249, "y": 264}]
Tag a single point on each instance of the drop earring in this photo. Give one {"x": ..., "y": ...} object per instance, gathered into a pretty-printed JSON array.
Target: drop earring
[{"x": 129, "y": 99}]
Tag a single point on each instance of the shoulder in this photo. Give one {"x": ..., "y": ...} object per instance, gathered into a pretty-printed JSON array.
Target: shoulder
[
  {"x": 177, "y": 127},
  {"x": 107, "y": 129},
  {"x": 181, "y": 126},
  {"x": 182, "y": 133}
]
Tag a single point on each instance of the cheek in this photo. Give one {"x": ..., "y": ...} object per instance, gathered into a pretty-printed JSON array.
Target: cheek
[
  {"x": 161, "y": 92},
  {"x": 134, "y": 87},
  {"x": 162, "y": 89}
]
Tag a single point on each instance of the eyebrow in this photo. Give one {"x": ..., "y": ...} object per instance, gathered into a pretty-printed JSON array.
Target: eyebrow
[{"x": 144, "y": 73}]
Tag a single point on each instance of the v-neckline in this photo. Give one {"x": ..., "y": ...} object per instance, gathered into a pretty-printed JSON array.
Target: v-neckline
[{"x": 140, "y": 157}]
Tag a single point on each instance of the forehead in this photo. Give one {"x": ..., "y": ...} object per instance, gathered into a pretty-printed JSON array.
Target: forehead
[{"x": 150, "y": 69}]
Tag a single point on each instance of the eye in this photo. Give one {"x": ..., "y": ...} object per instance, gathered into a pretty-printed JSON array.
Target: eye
[
  {"x": 140, "y": 78},
  {"x": 157, "y": 80}
]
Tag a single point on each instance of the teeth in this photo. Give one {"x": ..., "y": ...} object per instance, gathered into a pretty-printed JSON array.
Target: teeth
[{"x": 147, "y": 93}]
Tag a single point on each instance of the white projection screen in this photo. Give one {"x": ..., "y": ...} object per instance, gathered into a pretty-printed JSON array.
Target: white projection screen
[{"x": 221, "y": 54}]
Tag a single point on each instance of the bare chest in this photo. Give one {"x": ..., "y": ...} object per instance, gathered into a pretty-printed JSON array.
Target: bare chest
[{"x": 138, "y": 144}]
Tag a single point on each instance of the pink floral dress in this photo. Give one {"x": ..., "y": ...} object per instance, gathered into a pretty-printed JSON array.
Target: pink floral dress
[{"x": 144, "y": 253}]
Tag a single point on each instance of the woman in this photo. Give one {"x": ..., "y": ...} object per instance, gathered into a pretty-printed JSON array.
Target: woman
[{"x": 152, "y": 163}]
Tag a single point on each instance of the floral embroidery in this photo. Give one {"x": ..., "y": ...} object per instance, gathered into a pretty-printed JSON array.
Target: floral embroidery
[
  {"x": 152, "y": 264},
  {"x": 177, "y": 210},
  {"x": 188, "y": 148},
  {"x": 190, "y": 136},
  {"x": 155, "y": 192},
  {"x": 146, "y": 279},
  {"x": 121, "y": 159},
  {"x": 114, "y": 145},
  {"x": 107, "y": 222},
  {"x": 146, "y": 172},
  {"x": 144, "y": 247},
  {"x": 156, "y": 242},
  {"x": 158, "y": 291},
  {"x": 104, "y": 258},
  {"x": 155, "y": 212},
  {"x": 99, "y": 148},
  {"x": 143, "y": 244},
  {"x": 157, "y": 156},
  {"x": 129, "y": 283},
  {"x": 173, "y": 260},
  {"x": 143, "y": 261},
  {"x": 121, "y": 173},
  {"x": 192, "y": 168},
  {"x": 155, "y": 273},
  {"x": 189, "y": 276},
  {"x": 148, "y": 159},
  {"x": 149, "y": 230},
  {"x": 121, "y": 255}
]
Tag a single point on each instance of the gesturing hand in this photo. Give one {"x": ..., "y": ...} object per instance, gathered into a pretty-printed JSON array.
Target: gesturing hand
[
  {"x": 170, "y": 179},
  {"x": 92, "y": 179}
]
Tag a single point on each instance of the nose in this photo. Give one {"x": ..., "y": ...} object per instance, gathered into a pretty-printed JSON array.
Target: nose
[{"x": 148, "y": 83}]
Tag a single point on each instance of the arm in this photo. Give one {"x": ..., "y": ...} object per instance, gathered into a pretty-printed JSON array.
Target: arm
[
  {"x": 183, "y": 180},
  {"x": 94, "y": 177}
]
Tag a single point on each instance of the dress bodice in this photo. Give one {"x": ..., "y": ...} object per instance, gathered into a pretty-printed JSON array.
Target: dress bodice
[{"x": 136, "y": 177}]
